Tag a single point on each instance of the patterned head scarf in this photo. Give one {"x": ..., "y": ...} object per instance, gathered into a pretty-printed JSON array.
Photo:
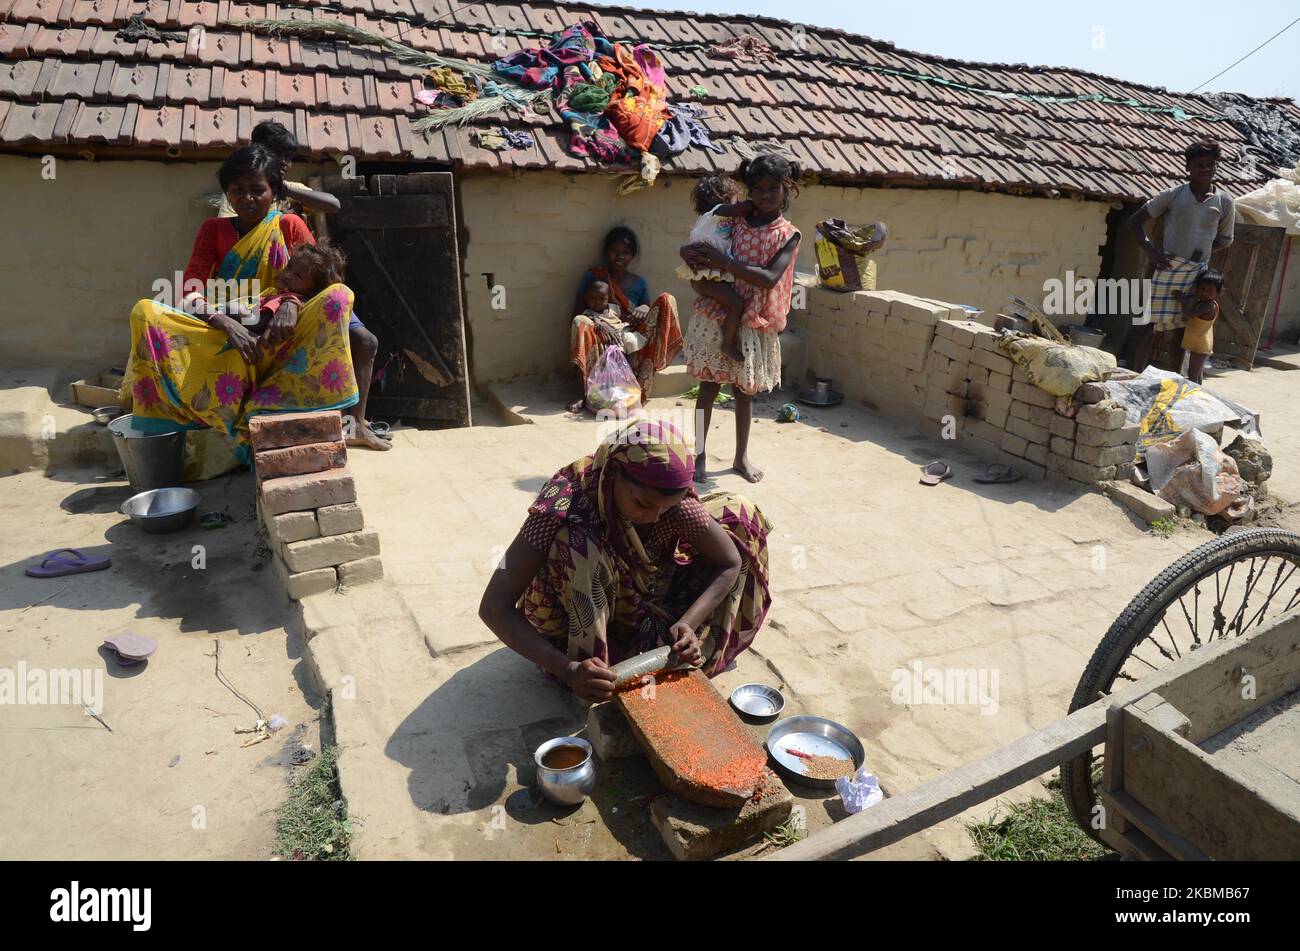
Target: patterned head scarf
[{"x": 653, "y": 452}]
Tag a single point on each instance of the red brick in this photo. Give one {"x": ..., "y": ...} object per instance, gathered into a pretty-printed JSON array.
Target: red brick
[
  {"x": 297, "y": 493},
  {"x": 297, "y": 460},
  {"x": 277, "y": 430}
]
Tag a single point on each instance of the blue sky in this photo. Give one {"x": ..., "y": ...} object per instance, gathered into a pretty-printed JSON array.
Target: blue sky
[{"x": 1175, "y": 45}]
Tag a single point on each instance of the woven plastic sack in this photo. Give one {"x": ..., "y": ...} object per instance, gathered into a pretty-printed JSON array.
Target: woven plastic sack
[{"x": 611, "y": 384}]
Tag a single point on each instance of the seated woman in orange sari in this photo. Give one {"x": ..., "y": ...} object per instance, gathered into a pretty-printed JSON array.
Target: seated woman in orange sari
[
  {"x": 203, "y": 364},
  {"x": 654, "y": 324}
]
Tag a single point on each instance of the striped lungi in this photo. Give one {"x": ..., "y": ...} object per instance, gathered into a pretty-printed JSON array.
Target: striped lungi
[{"x": 1164, "y": 310}]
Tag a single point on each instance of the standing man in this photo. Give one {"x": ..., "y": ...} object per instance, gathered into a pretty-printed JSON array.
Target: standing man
[{"x": 1198, "y": 220}]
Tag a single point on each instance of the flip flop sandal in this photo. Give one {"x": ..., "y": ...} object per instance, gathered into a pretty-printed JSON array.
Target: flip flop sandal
[
  {"x": 132, "y": 648},
  {"x": 380, "y": 429},
  {"x": 215, "y": 520},
  {"x": 56, "y": 564},
  {"x": 935, "y": 472},
  {"x": 998, "y": 473}
]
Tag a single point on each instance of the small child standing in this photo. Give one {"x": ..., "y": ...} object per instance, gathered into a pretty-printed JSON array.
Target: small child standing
[
  {"x": 1201, "y": 311},
  {"x": 714, "y": 199}
]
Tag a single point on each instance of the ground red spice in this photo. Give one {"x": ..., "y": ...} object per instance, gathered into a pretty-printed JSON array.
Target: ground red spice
[{"x": 695, "y": 734}]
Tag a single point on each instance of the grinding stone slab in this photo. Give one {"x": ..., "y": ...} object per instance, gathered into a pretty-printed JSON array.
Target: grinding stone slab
[{"x": 697, "y": 745}]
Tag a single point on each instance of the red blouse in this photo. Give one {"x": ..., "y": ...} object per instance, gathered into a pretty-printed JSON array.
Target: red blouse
[{"x": 217, "y": 236}]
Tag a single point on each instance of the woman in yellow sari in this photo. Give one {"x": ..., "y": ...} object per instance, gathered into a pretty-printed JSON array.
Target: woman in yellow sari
[{"x": 198, "y": 365}]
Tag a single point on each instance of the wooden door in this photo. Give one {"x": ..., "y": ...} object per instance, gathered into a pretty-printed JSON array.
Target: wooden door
[
  {"x": 399, "y": 233},
  {"x": 1248, "y": 267}
]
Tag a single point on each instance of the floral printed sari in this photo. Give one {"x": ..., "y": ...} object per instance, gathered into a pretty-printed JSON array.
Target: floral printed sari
[{"x": 185, "y": 374}]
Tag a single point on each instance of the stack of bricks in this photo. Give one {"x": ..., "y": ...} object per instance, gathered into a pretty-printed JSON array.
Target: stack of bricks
[
  {"x": 307, "y": 502},
  {"x": 1011, "y": 419},
  {"x": 1097, "y": 445},
  {"x": 874, "y": 345}
]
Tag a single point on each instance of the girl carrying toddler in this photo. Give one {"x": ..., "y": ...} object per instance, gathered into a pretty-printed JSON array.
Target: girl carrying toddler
[{"x": 715, "y": 200}]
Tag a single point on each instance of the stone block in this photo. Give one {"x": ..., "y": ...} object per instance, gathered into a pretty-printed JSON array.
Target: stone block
[
  {"x": 951, "y": 350},
  {"x": 1095, "y": 436},
  {"x": 277, "y": 430},
  {"x": 997, "y": 362},
  {"x": 1035, "y": 453},
  {"x": 1013, "y": 444},
  {"x": 1027, "y": 430},
  {"x": 1061, "y": 426},
  {"x": 301, "y": 584},
  {"x": 981, "y": 429},
  {"x": 1077, "y": 470},
  {"x": 694, "y": 832},
  {"x": 1062, "y": 446},
  {"x": 291, "y": 527},
  {"x": 1091, "y": 393},
  {"x": 330, "y": 550},
  {"x": 1104, "y": 415},
  {"x": 1102, "y": 456},
  {"x": 362, "y": 571},
  {"x": 997, "y": 415},
  {"x": 312, "y": 490},
  {"x": 1142, "y": 503},
  {"x": 337, "y": 519},
  {"x": 1028, "y": 393},
  {"x": 966, "y": 332},
  {"x": 1018, "y": 410},
  {"x": 1018, "y": 375},
  {"x": 296, "y": 460},
  {"x": 608, "y": 733},
  {"x": 1042, "y": 416},
  {"x": 999, "y": 382}
]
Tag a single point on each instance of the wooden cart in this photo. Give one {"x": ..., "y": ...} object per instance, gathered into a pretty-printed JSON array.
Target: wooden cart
[{"x": 1201, "y": 751}]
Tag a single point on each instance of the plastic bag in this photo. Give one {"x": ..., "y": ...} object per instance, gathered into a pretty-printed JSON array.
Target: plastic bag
[
  {"x": 859, "y": 791},
  {"x": 1191, "y": 470},
  {"x": 1057, "y": 368},
  {"x": 1166, "y": 404},
  {"x": 611, "y": 384}
]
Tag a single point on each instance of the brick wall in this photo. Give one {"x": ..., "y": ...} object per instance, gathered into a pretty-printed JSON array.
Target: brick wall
[
  {"x": 536, "y": 232},
  {"x": 919, "y": 358}
]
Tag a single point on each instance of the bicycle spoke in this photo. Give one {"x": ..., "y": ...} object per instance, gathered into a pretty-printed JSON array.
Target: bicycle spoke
[
  {"x": 1278, "y": 583},
  {"x": 1252, "y": 579}
]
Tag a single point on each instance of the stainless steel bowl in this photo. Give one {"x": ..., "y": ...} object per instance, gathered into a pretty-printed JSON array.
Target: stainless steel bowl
[
  {"x": 159, "y": 511},
  {"x": 565, "y": 787},
  {"x": 815, "y": 735},
  {"x": 106, "y": 414},
  {"x": 758, "y": 701}
]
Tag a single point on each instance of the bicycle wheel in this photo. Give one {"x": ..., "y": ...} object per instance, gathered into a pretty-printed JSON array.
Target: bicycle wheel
[{"x": 1218, "y": 590}]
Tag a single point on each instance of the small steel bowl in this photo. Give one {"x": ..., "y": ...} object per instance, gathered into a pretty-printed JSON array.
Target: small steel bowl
[
  {"x": 106, "y": 414},
  {"x": 159, "y": 511},
  {"x": 565, "y": 787},
  {"x": 758, "y": 702}
]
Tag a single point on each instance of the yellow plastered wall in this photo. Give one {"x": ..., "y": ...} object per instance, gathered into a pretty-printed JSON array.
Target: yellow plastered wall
[
  {"x": 79, "y": 250},
  {"x": 536, "y": 232},
  {"x": 83, "y": 247}
]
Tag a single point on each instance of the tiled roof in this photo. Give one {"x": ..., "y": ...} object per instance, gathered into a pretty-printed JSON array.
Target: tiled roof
[{"x": 849, "y": 107}]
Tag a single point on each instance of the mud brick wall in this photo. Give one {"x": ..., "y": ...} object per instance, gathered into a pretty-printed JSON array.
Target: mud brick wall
[
  {"x": 919, "y": 358},
  {"x": 535, "y": 232}
]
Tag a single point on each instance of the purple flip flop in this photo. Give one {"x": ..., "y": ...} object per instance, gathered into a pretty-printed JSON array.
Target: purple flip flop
[
  {"x": 56, "y": 564},
  {"x": 132, "y": 648}
]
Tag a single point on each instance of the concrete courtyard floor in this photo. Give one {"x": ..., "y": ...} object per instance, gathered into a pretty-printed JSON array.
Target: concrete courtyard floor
[
  {"x": 872, "y": 573},
  {"x": 171, "y": 779}
]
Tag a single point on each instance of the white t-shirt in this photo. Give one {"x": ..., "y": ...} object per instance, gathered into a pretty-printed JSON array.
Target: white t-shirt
[{"x": 1192, "y": 225}]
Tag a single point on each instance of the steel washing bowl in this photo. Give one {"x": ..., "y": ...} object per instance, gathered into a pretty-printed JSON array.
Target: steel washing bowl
[{"x": 159, "y": 511}]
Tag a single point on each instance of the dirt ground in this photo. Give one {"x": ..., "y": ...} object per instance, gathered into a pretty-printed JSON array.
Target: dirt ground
[
  {"x": 171, "y": 779},
  {"x": 871, "y": 572}
]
